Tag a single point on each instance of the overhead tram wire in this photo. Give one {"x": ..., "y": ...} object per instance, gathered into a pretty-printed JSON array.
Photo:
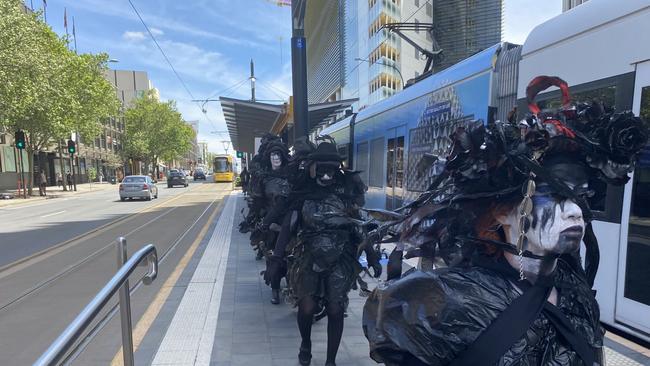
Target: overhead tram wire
[
  {"x": 271, "y": 90},
  {"x": 232, "y": 87},
  {"x": 167, "y": 59},
  {"x": 415, "y": 12}
]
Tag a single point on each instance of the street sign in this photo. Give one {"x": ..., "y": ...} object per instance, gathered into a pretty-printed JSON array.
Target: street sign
[{"x": 240, "y": 154}]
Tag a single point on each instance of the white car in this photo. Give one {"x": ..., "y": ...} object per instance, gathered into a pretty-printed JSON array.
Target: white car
[{"x": 138, "y": 186}]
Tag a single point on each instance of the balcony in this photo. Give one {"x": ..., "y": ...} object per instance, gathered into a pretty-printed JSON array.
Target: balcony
[
  {"x": 381, "y": 94},
  {"x": 384, "y": 66},
  {"x": 383, "y": 37},
  {"x": 386, "y": 7}
]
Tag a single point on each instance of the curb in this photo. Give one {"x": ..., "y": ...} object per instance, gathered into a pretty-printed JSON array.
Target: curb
[{"x": 16, "y": 201}]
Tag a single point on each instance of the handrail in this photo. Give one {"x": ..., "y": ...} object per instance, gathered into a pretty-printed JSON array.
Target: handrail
[{"x": 64, "y": 342}]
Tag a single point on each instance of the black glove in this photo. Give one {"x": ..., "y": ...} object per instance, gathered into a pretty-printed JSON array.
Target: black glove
[
  {"x": 376, "y": 268},
  {"x": 373, "y": 261},
  {"x": 394, "y": 267},
  {"x": 260, "y": 226},
  {"x": 273, "y": 268}
]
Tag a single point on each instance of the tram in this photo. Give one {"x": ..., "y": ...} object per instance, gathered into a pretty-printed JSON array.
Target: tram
[
  {"x": 222, "y": 168},
  {"x": 602, "y": 49}
]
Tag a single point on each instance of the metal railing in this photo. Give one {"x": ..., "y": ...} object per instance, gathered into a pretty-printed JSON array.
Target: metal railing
[{"x": 120, "y": 281}]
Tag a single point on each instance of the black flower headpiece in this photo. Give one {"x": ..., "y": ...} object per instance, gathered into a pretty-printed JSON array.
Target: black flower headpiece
[{"x": 493, "y": 163}]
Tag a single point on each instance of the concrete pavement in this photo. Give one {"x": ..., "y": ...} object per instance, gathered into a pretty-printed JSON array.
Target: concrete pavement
[{"x": 53, "y": 193}]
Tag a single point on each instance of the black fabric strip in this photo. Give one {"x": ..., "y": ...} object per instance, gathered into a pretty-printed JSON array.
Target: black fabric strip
[
  {"x": 566, "y": 329},
  {"x": 505, "y": 330}
]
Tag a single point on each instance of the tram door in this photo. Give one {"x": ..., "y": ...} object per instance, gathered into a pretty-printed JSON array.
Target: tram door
[
  {"x": 633, "y": 288},
  {"x": 395, "y": 167}
]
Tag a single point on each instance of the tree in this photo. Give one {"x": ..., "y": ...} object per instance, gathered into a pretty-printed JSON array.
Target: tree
[
  {"x": 45, "y": 89},
  {"x": 155, "y": 130}
]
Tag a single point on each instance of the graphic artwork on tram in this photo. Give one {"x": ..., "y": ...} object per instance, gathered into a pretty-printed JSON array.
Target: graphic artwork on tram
[{"x": 446, "y": 109}]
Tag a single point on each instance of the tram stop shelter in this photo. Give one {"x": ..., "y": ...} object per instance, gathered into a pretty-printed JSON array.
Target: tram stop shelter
[{"x": 248, "y": 119}]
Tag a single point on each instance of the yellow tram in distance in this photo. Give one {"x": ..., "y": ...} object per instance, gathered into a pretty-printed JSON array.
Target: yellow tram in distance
[{"x": 222, "y": 168}]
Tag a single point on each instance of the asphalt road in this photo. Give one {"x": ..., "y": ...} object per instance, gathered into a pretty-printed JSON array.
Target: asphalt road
[{"x": 55, "y": 256}]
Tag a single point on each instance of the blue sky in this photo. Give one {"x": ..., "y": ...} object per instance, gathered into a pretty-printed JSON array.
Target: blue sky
[{"x": 210, "y": 43}]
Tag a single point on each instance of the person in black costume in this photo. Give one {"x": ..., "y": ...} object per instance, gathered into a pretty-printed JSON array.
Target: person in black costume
[
  {"x": 257, "y": 202},
  {"x": 326, "y": 255},
  {"x": 273, "y": 189},
  {"x": 504, "y": 222},
  {"x": 245, "y": 177}
]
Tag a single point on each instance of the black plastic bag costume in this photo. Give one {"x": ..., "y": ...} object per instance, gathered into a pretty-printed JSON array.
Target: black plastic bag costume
[
  {"x": 491, "y": 305},
  {"x": 325, "y": 257},
  {"x": 264, "y": 187}
]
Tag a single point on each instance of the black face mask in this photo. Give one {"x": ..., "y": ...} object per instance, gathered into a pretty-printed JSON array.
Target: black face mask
[{"x": 325, "y": 173}]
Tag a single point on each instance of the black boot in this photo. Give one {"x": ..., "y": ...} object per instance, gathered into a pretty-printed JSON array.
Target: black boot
[
  {"x": 304, "y": 357},
  {"x": 275, "y": 296}
]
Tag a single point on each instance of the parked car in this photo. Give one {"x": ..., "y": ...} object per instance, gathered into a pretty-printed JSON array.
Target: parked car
[
  {"x": 177, "y": 178},
  {"x": 138, "y": 186},
  {"x": 199, "y": 174}
]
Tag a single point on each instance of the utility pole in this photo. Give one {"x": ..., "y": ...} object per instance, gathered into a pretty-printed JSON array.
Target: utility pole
[
  {"x": 299, "y": 69},
  {"x": 252, "y": 78}
]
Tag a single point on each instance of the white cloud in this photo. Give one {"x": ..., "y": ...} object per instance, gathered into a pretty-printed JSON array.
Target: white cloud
[
  {"x": 134, "y": 36},
  {"x": 156, "y": 31},
  {"x": 107, "y": 8},
  {"x": 521, "y": 16}
]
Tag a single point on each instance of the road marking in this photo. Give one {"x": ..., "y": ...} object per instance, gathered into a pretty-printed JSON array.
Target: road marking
[
  {"x": 190, "y": 335},
  {"x": 156, "y": 305},
  {"x": 53, "y": 214},
  {"x": 23, "y": 263}
]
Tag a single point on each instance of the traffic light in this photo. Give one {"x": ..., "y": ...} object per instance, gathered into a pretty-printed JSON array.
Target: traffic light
[
  {"x": 240, "y": 154},
  {"x": 72, "y": 147},
  {"x": 19, "y": 138}
]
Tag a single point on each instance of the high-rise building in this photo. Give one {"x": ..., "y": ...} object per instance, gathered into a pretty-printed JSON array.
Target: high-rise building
[
  {"x": 569, "y": 4},
  {"x": 465, "y": 27},
  {"x": 350, "y": 55}
]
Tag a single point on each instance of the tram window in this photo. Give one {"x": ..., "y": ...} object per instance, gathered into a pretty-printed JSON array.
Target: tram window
[
  {"x": 362, "y": 160},
  {"x": 605, "y": 95},
  {"x": 376, "y": 164},
  {"x": 343, "y": 151},
  {"x": 390, "y": 159},
  {"x": 395, "y": 162},
  {"x": 637, "y": 273}
]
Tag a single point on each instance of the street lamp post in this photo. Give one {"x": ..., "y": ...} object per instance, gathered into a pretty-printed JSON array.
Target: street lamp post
[
  {"x": 226, "y": 145},
  {"x": 385, "y": 64}
]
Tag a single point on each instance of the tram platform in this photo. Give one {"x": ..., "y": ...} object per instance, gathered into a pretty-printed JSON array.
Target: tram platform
[{"x": 219, "y": 314}]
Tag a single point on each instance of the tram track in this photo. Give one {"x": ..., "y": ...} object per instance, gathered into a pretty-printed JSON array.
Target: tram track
[
  {"x": 39, "y": 302},
  {"x": 33, "y": 259},
  {"x": 104, "y": 321}
]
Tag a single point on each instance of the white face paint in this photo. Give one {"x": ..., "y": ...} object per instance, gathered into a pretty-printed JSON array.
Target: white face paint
[
  {"x": 276, "y": 161},
  {"x": 557, "y": 225}
]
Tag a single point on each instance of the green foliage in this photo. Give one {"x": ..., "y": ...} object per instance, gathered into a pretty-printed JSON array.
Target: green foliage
[
  {"x": 155, "y": 130},
  {"x": 45, "y": 89},
  {"x": 92, "y": 174}
]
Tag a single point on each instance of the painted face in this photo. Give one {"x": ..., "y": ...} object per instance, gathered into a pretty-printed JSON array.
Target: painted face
[
  {"x": 325, "y": 175},
  {"x": 557, "y": 225},
  {"x": 276, "y": 160}
]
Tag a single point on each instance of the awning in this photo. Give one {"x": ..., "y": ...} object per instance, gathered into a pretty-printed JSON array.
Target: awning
[
  {"x": 247, "y": 120},
  {"x": 322, "y": 114}
]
